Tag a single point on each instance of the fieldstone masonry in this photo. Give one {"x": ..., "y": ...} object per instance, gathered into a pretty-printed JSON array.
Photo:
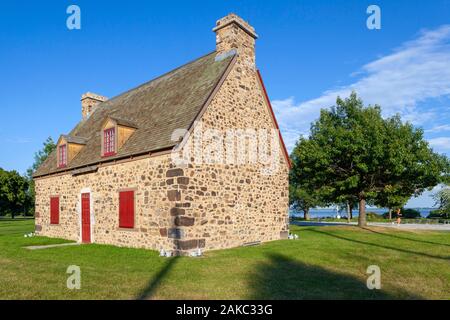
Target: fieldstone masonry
[
  {"x": 182, "y": 208},
  {"x": 88, "y": 103}
]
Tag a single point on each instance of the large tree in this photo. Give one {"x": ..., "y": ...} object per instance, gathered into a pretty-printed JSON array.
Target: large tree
[
  {"x": 354, "y": 152},
  {"x": 304, "y": 191}
]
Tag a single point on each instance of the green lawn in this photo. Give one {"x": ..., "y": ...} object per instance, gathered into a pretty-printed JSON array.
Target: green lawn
[{"x": 324, "y": 263}]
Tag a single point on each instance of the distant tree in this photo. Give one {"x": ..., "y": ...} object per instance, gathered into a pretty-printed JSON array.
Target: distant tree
[
  {"x": 302, "y": 200},
  {"x": 39, "y": 158},
  {"x": 442, "y": 199},
  {"x": 13, "y": 192},
  {"x": 409, "y": 213},
  {"x": 353, "y": 151},
  {"x": 4, "y": 202},
  {"x": 349, "y": 204},
  {"x": 392, "y": 198},
  {"x": 304, "y": 194}
]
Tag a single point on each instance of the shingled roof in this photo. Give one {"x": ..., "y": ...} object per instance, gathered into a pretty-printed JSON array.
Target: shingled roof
[
  {"x": 156, "y": 108},
  {"x": 73, "y": 139}
]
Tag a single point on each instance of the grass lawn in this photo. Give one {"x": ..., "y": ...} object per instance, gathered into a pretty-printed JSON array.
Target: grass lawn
[{"x": 324, "y": 263}]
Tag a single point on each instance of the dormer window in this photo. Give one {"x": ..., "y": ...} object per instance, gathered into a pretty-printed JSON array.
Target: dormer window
[
  {"x": 62, "y": 156},
  {"x": 115, "y": 132},
  {"x": 67, "y": 148},
  {"x": 109, "y": 142}
]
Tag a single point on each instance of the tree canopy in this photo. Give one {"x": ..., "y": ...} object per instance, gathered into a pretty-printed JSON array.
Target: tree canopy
[
  {"x": 352, "y": 152},
  {"x": 17, "y": 191},
  {"x": 443, "y": 201},
  {"x": 42, "y": 155},
  {"x": 304, "y": 192}
]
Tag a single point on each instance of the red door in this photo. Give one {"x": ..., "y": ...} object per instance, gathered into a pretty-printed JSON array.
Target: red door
[{"x": 85, "y": 218}]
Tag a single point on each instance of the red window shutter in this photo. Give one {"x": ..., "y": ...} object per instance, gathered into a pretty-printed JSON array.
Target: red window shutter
[
  {"x": 126, "y": 209},
  {"x": 109, "y": 142},
  {"x": 54, "y": 210}
]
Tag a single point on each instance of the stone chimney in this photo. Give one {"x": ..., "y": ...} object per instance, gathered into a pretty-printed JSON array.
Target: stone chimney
[
  {"x": 233, "y": 33},
  {"x": 88, "y": 103}
]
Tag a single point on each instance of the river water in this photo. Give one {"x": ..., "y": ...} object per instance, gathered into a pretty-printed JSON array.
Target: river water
[{"x": 324, "y": 213}]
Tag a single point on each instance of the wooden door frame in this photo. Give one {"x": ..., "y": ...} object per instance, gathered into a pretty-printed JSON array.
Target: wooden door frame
[{"x": 80, "y": 215}]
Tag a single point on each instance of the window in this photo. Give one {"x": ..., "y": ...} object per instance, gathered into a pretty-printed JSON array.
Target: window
[
  {"x": 126, "y": 209},
  {"x": 54, "y": 210},
  {"x": 62, "y": 157},
  {"x": 109, "y": 142}
]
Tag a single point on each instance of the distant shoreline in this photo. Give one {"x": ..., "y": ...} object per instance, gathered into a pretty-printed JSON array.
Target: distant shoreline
[{"x": 323, "y": 213}]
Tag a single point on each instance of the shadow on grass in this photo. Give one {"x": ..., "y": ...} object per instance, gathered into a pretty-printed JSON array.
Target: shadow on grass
[
  {"x": 16, "y": 219},
  {"x": 406, "y": 238},
  {"x": 156, "y": 280},
  {"x": 284, "y": 278},
  {"x": 423, "y": 254},
  {"x": 310, "y": 223}
]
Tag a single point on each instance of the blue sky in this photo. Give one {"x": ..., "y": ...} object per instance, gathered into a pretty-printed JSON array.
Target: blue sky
[{"x": 308, "y": 52}]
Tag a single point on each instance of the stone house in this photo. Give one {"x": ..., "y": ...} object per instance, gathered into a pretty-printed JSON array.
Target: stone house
[{"x": 192, "y": 159}]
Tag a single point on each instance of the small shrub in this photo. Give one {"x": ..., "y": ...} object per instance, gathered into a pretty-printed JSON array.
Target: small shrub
[
  {"x": 410, "y": 214},
  {"x": 386, "y": 215},
  {"x": 374, "y": 216},
  {"x": 405, "y": 213},
  {"x": 441, "y": 214}
]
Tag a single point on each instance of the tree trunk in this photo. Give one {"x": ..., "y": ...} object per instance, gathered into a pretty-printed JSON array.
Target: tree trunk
[
  {"x": 390, "y": 214},
  {"x": 362, "y": 212},
  {"x": 349, "y": 212},
  {"x": 306, "y": 214}
]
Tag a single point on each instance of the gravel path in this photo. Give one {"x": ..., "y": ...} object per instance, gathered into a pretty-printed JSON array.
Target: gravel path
[{"x": 52, "y": 246}]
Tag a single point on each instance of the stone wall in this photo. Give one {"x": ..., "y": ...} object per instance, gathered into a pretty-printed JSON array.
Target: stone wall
[
  {"x": 202, "y": 206},
  {"x": 227, "y": 205},
  {"x": 146, "y": 176}
]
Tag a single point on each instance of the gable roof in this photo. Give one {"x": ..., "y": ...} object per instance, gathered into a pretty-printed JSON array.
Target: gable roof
[
  {"x": 123, "y": 122},
  {"x": 73, "y": 139},
  {"x": 156, "y": 108}
]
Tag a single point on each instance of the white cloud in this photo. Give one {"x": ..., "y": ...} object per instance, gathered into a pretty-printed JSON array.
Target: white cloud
[
  {"x": 425, "y": 200},
  {"x": 17, "y": 140},
  {"x": 417, "y": 71},
  {"x": 442, "y": 128},
  {"x": 440, "y": 144}
]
